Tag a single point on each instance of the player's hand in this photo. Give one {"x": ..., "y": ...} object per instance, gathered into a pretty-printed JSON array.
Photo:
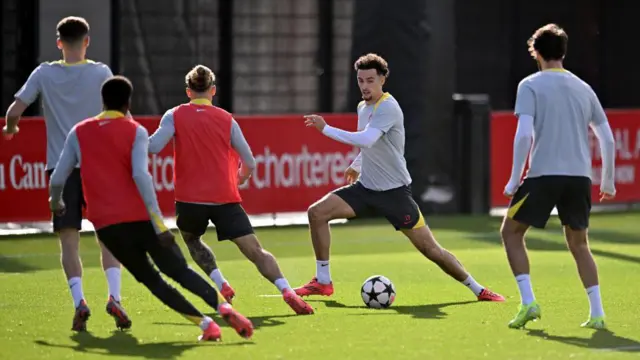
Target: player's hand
[
  {"x": 316, "y": 121},
  {"x": 57, "y": 207},
  {"x": 242, "y": 178},
  {"x": 607, "y": 196},
  {"x": 167, "y": 239},
  {"x": 8, "y": 132},
  {"x": 351, "y": 175},
  {"x": 510, "y": 189}
]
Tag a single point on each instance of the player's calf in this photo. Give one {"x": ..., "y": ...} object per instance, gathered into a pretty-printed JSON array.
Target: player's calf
[
  {"x": 206, "y": 260},
  {"x": 578, "y": 244},
  {"x": 422, "y": 238}
]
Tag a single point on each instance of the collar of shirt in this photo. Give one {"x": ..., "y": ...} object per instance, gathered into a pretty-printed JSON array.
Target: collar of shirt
[
  {"x": 201, "y": 102},
  {"x": 110, "y": 114}
]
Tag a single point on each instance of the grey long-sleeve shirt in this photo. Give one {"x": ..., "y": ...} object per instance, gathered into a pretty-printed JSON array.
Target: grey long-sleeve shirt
[{"x": 71, "y": 156}]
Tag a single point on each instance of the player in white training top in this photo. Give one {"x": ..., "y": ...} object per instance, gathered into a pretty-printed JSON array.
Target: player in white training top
[
  {"x": 70, "y": 92},
  {"x": 555, "y": 109},
  {"x": 379, "y": 183}
]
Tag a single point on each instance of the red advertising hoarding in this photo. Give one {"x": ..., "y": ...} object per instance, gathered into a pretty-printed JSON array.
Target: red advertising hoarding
[{"x": 296, "y": 166}]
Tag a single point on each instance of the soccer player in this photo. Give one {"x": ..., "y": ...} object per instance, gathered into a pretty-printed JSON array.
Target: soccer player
[
  {"x": 112, "y": 150},
  {"x": 207, "y": 174},
  {"x": 70, "y": 91},
  {"x": 380, "y": 183},
  {"x": 555, "y": 109}
]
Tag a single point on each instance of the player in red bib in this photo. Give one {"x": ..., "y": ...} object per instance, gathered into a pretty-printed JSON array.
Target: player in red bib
[
  {"x": 208, "y": 144},
  {"x": 122, "y": 205}
]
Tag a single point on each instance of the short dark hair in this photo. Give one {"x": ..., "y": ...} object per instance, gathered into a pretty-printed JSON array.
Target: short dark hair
[
  {"x": 200, "y": 79},
  {"x": 116, "y": 93},
  {"x": 372, "y": 61},
  {"x": 550, "y": 41},
  {"x": 72, "y": 29}
]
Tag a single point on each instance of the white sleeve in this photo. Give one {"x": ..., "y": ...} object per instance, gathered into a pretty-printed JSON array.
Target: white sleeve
[
  {"x": 362, "y": 139},
  {"x": 521, "y": 146},
  {"x": 607, "y": 149},
  {"x": 357, "y": 163}
]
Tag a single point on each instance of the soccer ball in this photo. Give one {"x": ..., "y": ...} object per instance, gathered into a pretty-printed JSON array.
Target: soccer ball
[{"x": 378, "y": 292}]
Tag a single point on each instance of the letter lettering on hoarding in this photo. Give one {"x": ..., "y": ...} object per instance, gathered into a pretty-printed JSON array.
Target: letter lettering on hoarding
[
  {"x": 622, "y": 144},
  {"x": 3, "y": 185},
  {"x": 30, "y": 176}
]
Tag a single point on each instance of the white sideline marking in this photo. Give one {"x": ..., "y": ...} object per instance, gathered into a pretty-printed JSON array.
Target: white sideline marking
[
  {"x": 618, "y": 348},
  {"x": 269, "y": 295}
]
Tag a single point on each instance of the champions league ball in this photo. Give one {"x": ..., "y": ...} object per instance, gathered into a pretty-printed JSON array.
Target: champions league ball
[{"x": 378, "y": 292}]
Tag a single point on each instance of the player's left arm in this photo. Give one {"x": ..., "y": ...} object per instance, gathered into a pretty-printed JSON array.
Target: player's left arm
[
  {"x": 240, "y": 145},
  {"x": 69, "y": 157},
  {"x": 525, "y": 111},
  {"x": 27, "y": 94},
  {"x": 601, "y": 128},
  {"x": 143, "y": 179},
  {"x": 165, "y": 132}
]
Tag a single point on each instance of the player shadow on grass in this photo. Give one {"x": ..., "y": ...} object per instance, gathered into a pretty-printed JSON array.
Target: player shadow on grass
[
  {"x": 258, "y": 321},
  {"x": 427, "y": 311},
  {"x": 537, "y": 243},
  {"x": 603, "y": 340},
  {"x": 14, "y": 265},
  {"x": 122, "y": 343}
]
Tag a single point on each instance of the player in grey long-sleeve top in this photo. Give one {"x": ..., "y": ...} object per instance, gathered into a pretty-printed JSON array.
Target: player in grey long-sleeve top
[
  {"x": 555, "y": 109},
  {"x": 70, "y": 92}
]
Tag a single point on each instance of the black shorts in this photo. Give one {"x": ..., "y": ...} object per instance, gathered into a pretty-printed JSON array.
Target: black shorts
[
  {"x": 396, "y": 205},
  {"x": 73, "y": 198},
  {"x": 536, "y": 197},
  {"x": 230, "y": 220},
  {"x": 131, "y": 242}
]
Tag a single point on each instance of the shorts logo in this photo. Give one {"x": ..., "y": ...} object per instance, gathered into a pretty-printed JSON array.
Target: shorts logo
[{"x": 407, "y": 219}]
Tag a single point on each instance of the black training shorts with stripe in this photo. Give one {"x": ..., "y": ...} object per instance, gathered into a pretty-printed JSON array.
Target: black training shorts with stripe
[{"x": 536, "y": 197}]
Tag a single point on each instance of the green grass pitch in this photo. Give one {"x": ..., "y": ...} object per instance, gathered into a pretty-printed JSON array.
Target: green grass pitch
[{"x": 433, "y": 316}]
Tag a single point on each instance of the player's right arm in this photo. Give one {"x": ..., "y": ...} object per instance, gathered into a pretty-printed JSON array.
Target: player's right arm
[
  {"x": 27, "y": 94},
  {"x": 69, "y": 157},
  {"x": 143, "y": 179},
  {"x": 525, "y": 110},
  {"x": 239, "y": 144},
  {"x": 600, "y": 126},
  {"x": 163, "y": 134}
]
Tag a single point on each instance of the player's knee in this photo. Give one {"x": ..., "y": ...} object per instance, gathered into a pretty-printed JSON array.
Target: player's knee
[
  {"x": 511, "y": 230},
  {"x": 249, "y": 246},
  {"x": 576, "y": 240},
  {"x": 317, "y": 213},
  {"x": 190, "y": 238},
  {"x": 147, "y": 277}
]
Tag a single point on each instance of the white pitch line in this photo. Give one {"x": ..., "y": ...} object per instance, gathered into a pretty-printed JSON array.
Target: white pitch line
[
  {"x": 270, "y": 295},
  {"x": 621, "y": 348}
]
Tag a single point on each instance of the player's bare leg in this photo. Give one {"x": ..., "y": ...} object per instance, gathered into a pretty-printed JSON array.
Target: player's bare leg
[
  {"x": 113, "y": 272},
  {"x": 512, "y": 233},
  {"x": 202, "y": 254},
  {"x": 328, "y": 208},
  {"x": 578, "y": 244},
  {"x": 422, "y": 238},
  {"x": 72, "y": 267},
  {"x": 269, "y": 268}
]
